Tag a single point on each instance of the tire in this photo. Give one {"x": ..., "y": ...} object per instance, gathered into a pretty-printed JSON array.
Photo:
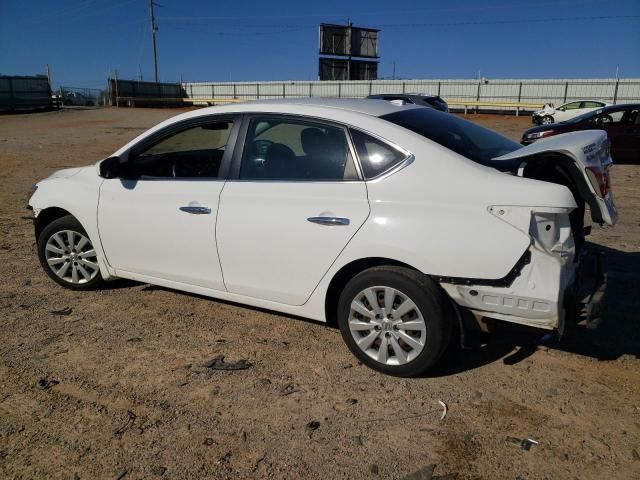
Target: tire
[
  {"x": 67, "y": 255},
  {"x": 546, "y": 120},
  {"x": 365, "y": 334}
]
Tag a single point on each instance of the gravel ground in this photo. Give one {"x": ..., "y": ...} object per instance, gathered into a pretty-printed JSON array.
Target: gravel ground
[{"x": 110, "y": 384}]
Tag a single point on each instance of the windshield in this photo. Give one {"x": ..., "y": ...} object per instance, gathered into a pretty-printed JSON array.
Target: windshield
[{"x": 468, "y": 139}]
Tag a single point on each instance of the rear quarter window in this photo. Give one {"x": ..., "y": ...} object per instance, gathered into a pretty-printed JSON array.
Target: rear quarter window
[{"x": 376, "y": 156}]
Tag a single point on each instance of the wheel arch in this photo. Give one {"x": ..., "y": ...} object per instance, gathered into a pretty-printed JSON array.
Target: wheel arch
[
  {"x": 346, "y": 273},
  {"x": 48, "y": 215}
]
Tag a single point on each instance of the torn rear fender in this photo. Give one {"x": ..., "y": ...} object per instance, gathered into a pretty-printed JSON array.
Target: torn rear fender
[{"x": 586, "y": 159}]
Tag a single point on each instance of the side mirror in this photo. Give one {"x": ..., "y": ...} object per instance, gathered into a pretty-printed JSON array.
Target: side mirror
[{"x": 109, "y": 167}]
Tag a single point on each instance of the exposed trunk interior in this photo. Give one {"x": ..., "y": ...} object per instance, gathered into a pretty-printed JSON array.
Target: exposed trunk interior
[{"x": 560, "y": 169}]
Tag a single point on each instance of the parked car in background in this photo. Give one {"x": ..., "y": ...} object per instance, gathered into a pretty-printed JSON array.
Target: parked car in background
[
  {"x": 550, "y": 114},
  {"x": 422, "y": 99},
  {"x": 621, "y": 122},
  {"x": 78, "y": 99},
  {"x": 396, "y": 221}
]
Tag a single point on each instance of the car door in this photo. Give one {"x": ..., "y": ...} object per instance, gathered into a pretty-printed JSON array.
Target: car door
[
  {"x": 624, "y": 133},
  {"x": 294, "y": 204},
  {"x": 567, "y": 111},
  {"x": 158, "y": 219}
]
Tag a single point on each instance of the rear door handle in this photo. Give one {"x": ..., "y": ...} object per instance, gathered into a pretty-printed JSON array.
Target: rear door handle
[
  {"x": 196, "y": 210},
  {"x": 329, "y": 220}
]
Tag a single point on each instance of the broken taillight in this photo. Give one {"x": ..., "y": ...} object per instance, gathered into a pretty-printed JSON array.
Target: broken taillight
[{"x": 599, "y": 178}]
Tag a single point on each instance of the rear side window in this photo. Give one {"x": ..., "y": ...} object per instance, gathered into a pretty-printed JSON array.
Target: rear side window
[
  {"x": 376, "y": 156},
  {"x": 592, "y": 104},
  {"x": 296, "y": 150}
]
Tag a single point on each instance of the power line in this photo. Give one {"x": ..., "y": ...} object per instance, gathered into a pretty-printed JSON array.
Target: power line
[
  {"x": 278, "y": 29},
  {"x": 513, "y": 21}
]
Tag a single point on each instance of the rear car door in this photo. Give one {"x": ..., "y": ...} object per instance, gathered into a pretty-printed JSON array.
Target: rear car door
[
  {"x": 294, "y": 200},
  {"x": 620, "y": 125},
  {"x": 158, "y": 220}
]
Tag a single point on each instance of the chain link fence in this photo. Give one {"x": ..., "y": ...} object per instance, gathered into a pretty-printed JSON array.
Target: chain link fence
[
  {"x": 531, "y": 93},
  {"x": 79, "y": 97}
]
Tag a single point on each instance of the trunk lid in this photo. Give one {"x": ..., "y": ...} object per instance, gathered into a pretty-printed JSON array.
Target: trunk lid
[{"x": 587, "y": 158}]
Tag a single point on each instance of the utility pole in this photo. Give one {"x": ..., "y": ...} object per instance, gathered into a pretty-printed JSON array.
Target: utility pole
[
  {"x": 154, "y": 29},
  {"x": 394, "y": 69},
  {"x": 349, "y": 39}
]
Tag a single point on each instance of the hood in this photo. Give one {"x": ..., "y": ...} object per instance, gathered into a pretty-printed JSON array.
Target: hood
[
  {"x": 65, "y": 173},
  {"x": 548, "y": 109}
]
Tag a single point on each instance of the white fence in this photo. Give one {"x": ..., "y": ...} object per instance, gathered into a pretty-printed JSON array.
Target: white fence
[{"x": 530, "y": 91}]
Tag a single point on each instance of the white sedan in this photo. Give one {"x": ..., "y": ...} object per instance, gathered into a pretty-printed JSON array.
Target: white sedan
[
  {"x": 393, "y": 221},
  {"x": 550, "y": 114}
]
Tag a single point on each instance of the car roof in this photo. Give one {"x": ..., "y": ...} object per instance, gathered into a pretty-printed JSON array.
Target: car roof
[
  {"x": 585, "y": 100},
  {"x": 622, "y": 106},
  {"x": 610, "y": 108},
  {"x": 413, "y": 94},
  {"x": 373, "y": 107},
  {"x": 406, "y": 95}
]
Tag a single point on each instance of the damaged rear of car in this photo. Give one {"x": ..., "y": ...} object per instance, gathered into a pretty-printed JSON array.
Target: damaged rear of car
[{"x": 534, "y": 292}]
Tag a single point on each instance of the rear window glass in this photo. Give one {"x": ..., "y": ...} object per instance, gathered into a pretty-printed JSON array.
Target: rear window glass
[
  {"x": 376, "y": 156},
  {"x": 465, "y": 138}
]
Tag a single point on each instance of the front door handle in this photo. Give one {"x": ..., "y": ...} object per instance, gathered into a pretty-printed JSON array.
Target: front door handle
[
  {"x": 329, "y": 220},
  {"x": 196, "y": 210}
]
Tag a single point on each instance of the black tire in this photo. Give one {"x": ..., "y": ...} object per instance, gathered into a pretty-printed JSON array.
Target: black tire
[
  {"x": 66, "y": 223},
  {"x": 431, "y": 304},
  {"x": 546, "y": 120}
]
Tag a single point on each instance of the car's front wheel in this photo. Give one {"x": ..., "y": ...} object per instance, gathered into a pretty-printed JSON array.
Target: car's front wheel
[
  {"x": 395, "y": 320},
  {"x": 547, "y": 120},
  {"x": 67, "y": 255}
]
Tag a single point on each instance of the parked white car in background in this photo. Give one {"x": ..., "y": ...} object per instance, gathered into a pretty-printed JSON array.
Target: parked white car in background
[
  {"x": 394, "y": 221},
  {"x": 550, "y": 114}
]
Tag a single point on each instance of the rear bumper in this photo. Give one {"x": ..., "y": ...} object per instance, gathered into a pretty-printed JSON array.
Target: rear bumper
[{"x": 535, "y": 298}]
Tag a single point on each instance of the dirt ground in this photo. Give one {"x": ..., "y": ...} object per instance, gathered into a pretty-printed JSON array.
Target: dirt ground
[{"x": 127, "y": 396}]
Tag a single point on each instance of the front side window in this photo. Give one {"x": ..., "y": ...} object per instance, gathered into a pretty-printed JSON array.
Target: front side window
[
  {"x": 192, "y": 153},
  {"x": 570, "y": 106},
  {"x": 592, "y": 104},
  {"x": 376, "y": 156},
  {"x": 278, "y": 149}
]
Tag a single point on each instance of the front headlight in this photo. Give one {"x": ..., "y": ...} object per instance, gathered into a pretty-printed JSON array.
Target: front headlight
[
  {"x": 536, "y": 135},
  {"x": 30, "y": 193}
]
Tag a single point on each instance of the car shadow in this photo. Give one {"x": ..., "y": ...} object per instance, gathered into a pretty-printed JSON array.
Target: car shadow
[
  {"x": 617, "y": 333},
  {"x": 614, "y": 333}
]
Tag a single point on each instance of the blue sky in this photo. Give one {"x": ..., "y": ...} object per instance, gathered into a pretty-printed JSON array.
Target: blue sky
[{"x": 83, "y": 40}]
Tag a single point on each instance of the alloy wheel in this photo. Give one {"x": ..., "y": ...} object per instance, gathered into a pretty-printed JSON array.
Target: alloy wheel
[
  {"x": 387, "y": 325},
  {"x": 71, "y": 257}
]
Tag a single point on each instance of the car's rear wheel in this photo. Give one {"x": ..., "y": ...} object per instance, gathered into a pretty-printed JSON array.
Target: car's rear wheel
[
  {"x": 395, "y": 320},
  {"x": 67, "y": 255},
  {"x": 547, "y": 120}
]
